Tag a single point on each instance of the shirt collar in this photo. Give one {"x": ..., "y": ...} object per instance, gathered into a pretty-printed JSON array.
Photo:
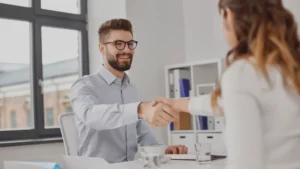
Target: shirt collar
[{"x": 110, "y": 78}]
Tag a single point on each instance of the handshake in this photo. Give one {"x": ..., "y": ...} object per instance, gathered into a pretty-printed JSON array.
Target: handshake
[{"x": 161, "y": 111}]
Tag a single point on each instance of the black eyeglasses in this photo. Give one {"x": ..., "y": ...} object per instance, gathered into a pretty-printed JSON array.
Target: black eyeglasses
[{"x": 120, "y": 45}]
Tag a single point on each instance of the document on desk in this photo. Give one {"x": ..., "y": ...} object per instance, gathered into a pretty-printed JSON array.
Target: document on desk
[{"x": 30, "y": 165}]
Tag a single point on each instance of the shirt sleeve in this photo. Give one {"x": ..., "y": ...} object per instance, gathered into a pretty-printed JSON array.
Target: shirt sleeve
[
  {"x": 244, "y": 137},
  {"x": 145, "y": 134},
  {"x": 100, "y": 116},
  {"x": 201, "y": 105}
]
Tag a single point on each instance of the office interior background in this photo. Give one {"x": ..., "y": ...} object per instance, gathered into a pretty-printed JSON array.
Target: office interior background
[{"x": 46, "y": 45}]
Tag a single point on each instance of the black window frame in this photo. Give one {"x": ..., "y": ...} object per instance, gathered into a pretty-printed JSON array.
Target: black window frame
[{"x": 39, "y": 17}]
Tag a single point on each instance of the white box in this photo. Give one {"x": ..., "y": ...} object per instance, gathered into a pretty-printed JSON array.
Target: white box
[
  {"x": 216, "y": 140},
  {"x": 184, "y": 139}
]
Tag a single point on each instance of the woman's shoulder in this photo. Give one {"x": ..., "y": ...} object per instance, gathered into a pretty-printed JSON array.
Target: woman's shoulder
[{"x": 242, "y": 74}]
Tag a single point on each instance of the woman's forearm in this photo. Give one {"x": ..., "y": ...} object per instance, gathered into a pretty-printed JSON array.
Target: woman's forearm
[
  {"x": 200, "y": 105},
  {"x": 181, "y": 105}
]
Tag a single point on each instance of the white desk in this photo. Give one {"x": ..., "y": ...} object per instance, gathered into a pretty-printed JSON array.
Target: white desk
[
  {"x": 97, "y": 163},
  {"x": 174, "y": 164}
]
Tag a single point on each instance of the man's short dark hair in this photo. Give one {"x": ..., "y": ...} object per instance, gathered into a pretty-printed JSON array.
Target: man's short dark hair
[{"x": 113, "y": 24}]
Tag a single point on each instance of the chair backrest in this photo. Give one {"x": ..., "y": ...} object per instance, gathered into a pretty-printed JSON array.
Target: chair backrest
[{"x": 69, "y": 133}]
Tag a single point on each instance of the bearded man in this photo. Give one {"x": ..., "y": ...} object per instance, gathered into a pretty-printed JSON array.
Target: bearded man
[{"x": 111, "y": 118}]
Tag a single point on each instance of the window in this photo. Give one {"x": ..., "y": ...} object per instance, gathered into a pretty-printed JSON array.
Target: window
[
  {"x": 24, "y": 3},
  {"x": 30, "y": 120},
  {"x": 0, "y": 120},
  {"x": 49, "y": 117},
  {"x": 67, "y": 6},
  {"x": 44, "y": 50},
  {"x": 61, "y": 63},
  {"x": 14, "y": 65},
  {"x": 13, "y": 120}
]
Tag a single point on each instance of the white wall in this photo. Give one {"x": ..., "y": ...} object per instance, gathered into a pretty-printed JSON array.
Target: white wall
[
  {"x": 160, "y": 31},
  {"x": 293, "y": 6},
  {"x": 203, "y": 34}
]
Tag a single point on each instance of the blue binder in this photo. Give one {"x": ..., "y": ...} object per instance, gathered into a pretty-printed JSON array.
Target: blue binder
[
  {"x": 172, "y": 126},
  {"x": 203, "y": 122},
  {"x": 184, "y": 87}
]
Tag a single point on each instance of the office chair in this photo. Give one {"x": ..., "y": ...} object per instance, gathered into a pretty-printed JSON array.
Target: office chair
[{"x": 69, "y": 133}]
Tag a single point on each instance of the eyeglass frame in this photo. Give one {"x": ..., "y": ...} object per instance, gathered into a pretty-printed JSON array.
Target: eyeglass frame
[{"x": 126, "y": 44}]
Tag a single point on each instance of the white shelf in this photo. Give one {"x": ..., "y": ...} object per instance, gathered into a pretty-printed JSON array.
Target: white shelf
[
  {"x": 197, "y": 131},
  {"x": 202, "y": 72},
  {"x": 209, "y": 131},
  {"x": 194, "y": 63},
  {"x": 182, "y": 131}
]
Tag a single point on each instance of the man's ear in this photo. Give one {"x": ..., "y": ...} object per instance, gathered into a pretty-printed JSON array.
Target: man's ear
[{"x": 101, "y": 48}]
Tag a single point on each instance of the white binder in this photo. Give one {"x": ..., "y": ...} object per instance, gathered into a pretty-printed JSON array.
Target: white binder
[
  {"x": 219, "y": 123},
  {"x": 210, "y": 123},
  {"x": 179, "y": 74}
]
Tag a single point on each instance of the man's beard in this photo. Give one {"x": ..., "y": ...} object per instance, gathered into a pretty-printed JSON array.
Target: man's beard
[{"x": 114, "y": 62}]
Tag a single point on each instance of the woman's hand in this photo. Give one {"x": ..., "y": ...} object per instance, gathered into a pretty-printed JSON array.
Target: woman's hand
[{"x": 180, "y": 105}]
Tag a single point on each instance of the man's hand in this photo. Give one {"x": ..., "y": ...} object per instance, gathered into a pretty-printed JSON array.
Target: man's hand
[
  {"x": 180, "y": 105},
  {"x": 169, "y": 102},
  {"x": 158, "y": 115},
  {"x": 180, "y": 149}
]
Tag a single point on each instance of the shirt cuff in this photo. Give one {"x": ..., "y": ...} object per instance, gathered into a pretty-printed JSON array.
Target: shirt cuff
[
  {"x": 191, "y": 105},
  {"x": 130, "y": 112},
  {"x": 200, "y": 105}
]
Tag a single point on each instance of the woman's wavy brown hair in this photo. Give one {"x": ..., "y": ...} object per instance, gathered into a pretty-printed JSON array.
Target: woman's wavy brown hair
[{"x": 266, "y": 31}]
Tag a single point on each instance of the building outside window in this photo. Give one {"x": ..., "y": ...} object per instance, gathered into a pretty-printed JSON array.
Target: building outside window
[
  {"x": 13, "y": 119},
  {"x": 49, "y": 117}
]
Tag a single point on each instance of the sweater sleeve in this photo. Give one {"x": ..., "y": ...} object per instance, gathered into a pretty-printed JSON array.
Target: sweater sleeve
[
  {"x": 244, "y": 137},
  {"x": 201, "y": 105}
]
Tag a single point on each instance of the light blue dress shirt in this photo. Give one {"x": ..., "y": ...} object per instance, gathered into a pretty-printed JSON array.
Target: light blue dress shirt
[{"x": 106, "y": 117}]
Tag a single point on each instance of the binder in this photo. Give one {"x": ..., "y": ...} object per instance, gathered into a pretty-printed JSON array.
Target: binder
[
  {"x": 180, "y": 74},
  {"x": 203, "y": 122},
  {"x": 219, "y": 123},
  {"x": 171, "y": 126},
  {"x": 184, "y": 87},
  {"x": 210, "y": 123},
  {"x": 171, "y": 84}
]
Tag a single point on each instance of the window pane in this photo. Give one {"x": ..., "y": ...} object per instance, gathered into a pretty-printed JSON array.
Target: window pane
[
  {"x": 0, "y": 117},
  {"x": 66, "y": 6},
  {"x": 49, "y": 121},
  {"x": 23, "y": 3},
  {"x": 13, "y": 120},
  {"x": 61, "y": 51},
  {"x": 15, "y": 77}
]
